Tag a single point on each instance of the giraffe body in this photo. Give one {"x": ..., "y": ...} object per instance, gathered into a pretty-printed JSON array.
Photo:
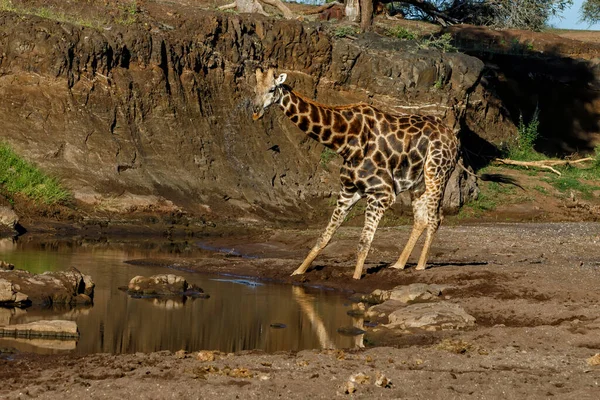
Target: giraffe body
[{"x": 383, "y": 154}]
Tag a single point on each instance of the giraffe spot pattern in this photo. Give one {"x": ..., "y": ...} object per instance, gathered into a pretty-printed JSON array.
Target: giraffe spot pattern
[{"x": 384, "y": 154}]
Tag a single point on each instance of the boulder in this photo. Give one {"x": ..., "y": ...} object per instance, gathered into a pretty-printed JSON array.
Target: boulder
[
  {"x": 20, "y": 288},
  {"x": 10, "y": 295},
  {"x": 413, "y": 293},
  {"x": 162, "y": 285},
  {"x": 8, "y": 217},
  {"x": 431, "y": 317},
  {"x": 52, "y": 328}
]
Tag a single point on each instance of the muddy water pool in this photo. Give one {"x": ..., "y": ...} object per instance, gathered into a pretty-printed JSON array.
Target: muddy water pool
[{"x": 241, "y": 313}]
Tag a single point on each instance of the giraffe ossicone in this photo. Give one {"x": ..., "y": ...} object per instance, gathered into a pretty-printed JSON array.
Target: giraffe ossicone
[{"x": 384, "y": 154}]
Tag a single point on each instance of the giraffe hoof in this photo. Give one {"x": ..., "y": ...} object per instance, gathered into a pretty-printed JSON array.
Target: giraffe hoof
[
  {"x": 421, "y": 268},
  {"x": 296, "y": 272},
  {"x": 357, "y": 276},
  {"x": 398, "y": 266}
]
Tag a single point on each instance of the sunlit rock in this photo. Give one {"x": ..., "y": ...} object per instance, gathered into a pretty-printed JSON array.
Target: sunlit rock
[
  {"x": 8, "y": 217},
  {"x": 431, "y": 317},
  {"x": 413, "y": 293},
  {"x": 163, "y": 285},
  {"x": 21, "y": 288}
]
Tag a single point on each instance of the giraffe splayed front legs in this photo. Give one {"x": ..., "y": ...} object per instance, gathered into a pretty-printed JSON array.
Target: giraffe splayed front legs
[{"x": 384, "y": 155}]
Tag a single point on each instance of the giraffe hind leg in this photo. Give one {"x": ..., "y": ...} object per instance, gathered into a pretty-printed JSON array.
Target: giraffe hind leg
[
  {"x": 433, "y": 223},
  {"x": 346, "y": 201},
  {"x": 419, "y": 225}
]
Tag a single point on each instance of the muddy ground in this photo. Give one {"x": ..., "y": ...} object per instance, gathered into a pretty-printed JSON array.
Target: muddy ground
[{"x": 533, "y": 288}]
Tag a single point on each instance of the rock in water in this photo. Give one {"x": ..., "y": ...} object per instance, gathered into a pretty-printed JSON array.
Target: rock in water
[
  {"x": 53, "y": 328},
  {"x": 163, "y": 285},
  {"x": 6, "y": 266},
  {"x": 20, "y": 288}
]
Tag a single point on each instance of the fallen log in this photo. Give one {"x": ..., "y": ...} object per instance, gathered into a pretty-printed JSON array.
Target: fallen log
[{"x": 542, "y": 164}]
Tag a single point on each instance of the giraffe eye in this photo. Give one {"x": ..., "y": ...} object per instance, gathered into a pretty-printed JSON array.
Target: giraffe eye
[{"x": 272, "y": 90}]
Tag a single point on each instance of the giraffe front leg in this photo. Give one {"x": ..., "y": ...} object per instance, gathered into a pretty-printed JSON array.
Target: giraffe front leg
[
  {"x": 346, "y": 201},
  {"x": 375, "y": 209}
]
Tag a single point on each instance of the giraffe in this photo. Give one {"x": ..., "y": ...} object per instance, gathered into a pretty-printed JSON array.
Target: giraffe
[{"x": 383, "y": 154}]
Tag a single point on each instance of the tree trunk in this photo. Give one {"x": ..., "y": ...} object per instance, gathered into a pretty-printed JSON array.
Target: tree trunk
[
  {"x": 366, "y": 15},
  {"x": 353, "y": 10}
]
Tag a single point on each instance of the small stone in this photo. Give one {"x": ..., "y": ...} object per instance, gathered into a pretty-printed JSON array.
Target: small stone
[
  {"x": 205, "y": 356},
  {"x": 594, "y": 360},
  {"x": 21, "y": 298},
  {"x": 6, "y": 266},
  {"x": 348, "y": 388},
  {"x": 181, "y": 354},
  {"x": 360, "y": 378},
  {"x": 350, "y": 331},
  {"x": 382, "y": 381}
]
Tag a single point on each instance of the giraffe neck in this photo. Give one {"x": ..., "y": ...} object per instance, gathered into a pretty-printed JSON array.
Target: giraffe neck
[{"x": 331, "y": 127}]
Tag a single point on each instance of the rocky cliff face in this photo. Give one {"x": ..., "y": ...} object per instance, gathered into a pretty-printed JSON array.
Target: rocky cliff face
[{"x": 157, "y": 114}]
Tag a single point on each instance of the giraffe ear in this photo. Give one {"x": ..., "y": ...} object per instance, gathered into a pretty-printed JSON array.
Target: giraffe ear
[
  {"x": 259, "y": 74},
  {"x": 280, "y": 79}
]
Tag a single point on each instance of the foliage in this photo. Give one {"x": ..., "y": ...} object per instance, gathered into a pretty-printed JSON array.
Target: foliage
[
  {"x": 576, "y": 179},
  {"x": 130, "y": 11},
  {"x": 401, "y": 33},
  {"x": 19, "y": 176},
  {"x": 590, "y": 11},
  {"x": 523, "y": 148},
  {"x": 491, "y": 194},
  {"x": 521, "y": 14},
  {"x": 442, "y": 43},
  {"x": 344, "y": 30}
]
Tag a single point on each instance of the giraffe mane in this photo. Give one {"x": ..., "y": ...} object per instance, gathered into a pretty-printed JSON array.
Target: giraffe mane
[{"x": 321, "y": 105}]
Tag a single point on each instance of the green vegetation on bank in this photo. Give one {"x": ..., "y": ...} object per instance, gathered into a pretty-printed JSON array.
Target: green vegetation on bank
[
  {"x": 128, "y": 14},
  {"x": 48, "y": 13},
  {"x": 581, "y": 180},
  {"x": 18, "y": 176}
]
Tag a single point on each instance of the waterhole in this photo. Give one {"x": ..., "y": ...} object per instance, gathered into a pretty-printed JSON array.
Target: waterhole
[{"x": 241, "y": 313}]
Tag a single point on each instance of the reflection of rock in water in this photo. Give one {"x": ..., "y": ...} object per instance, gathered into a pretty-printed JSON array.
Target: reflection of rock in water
[
  {"x": 8, "y": 244},
  {"x": 168, "y": 304},
  {"x": 7, "y": 314},
  {"x": 46, "y": 329},
  {"x": 29, "y": 345}
]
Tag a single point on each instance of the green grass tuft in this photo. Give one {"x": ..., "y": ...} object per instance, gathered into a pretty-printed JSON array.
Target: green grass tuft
[
  {"x": 326, "y": 156},
  {"x": 20, "y": 176},
  {"x": 401, "y": 33}
]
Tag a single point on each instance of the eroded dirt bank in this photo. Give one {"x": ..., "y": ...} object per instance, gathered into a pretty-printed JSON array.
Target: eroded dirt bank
[{"x": 531, "y": 287}]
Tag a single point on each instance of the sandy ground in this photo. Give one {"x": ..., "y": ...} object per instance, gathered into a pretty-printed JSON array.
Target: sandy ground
[{"x": 533, "y": 289}]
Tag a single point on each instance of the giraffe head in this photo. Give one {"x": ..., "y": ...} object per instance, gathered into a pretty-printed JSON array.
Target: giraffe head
[{"x": 266, "y": 92}]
